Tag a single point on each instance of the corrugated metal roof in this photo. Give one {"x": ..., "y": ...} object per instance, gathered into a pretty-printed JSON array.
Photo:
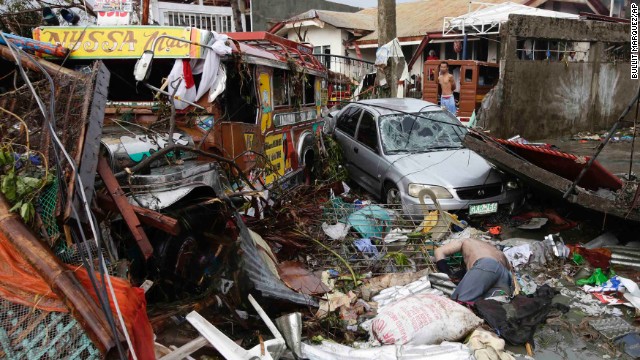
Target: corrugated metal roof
[
  {"x": 422, "y": 17},
  {"x": 341, "y": 20},
  {"x": 500, "y": 14}
]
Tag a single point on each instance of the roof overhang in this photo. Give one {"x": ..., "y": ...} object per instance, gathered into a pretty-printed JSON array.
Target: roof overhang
[{"x": 487, "y": 19}]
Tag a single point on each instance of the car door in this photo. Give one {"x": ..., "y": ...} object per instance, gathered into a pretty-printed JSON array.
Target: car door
[
  {"x": 366, "y": 153},
  {"x": 345, "y": 134}
]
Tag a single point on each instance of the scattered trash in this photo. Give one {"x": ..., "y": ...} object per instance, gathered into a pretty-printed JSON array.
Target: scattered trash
[
  {"x": 291, "y": 328},
  {"x": 604, "y": 240},
  {"x": 612, "y": 328},
  {"x": 534, "y": 223},
  {"x": 487, "y": 346},
  {"x": 267, "y": 350}
]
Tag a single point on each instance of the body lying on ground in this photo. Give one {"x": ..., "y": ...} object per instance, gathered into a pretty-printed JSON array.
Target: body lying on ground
[{"x": 488, "y": 272}]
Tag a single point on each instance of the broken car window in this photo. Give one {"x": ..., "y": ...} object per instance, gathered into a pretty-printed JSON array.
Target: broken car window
[{"x": 421, "y": 132}]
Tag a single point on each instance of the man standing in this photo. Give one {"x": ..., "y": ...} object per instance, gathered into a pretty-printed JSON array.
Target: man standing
[
  {"x": 447, "y": 87},
  {"x": 488, "y": 270}
]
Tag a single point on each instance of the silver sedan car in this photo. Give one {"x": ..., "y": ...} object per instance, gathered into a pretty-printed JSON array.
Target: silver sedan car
[{"x": 394, "y": 148}]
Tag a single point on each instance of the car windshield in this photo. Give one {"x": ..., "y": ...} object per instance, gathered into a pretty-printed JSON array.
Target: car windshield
[{"x": 420, "y": 132}]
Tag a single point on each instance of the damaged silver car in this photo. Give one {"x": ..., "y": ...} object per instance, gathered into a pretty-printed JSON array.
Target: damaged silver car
[{"x": 394, "y": 148}]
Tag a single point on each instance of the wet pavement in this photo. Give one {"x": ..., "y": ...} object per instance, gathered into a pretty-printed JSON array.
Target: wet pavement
[{"x": 615, "y": 156}]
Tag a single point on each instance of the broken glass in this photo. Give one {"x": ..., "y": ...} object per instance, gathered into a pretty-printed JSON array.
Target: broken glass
[{"x": 420, "y": 132}]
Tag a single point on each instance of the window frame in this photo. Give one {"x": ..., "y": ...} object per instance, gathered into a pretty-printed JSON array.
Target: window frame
[
  {"x": 341, "y": 120},
  {"x": 375, "y": 149}
]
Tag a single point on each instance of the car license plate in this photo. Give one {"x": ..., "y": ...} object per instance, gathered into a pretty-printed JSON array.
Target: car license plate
[{"x": 481, "y": 209}]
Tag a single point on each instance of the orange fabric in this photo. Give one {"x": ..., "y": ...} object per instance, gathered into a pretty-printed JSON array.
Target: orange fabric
[{"x": 20, "y": 283}]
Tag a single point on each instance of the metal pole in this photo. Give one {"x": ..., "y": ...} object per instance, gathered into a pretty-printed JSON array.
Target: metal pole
[
  {"x": 464, "y": 47},
  {"x": 611, "y": 8},
  {"x": 602, "y": 145},
  {"x": 633, "y": 140}
]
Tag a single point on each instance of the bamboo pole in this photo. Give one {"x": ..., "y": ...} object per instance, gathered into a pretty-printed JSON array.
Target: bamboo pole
[{"x": 14, "y": 233}]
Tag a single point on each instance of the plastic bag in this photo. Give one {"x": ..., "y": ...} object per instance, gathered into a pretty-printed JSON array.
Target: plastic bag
[{"x": 597, "y": 278}]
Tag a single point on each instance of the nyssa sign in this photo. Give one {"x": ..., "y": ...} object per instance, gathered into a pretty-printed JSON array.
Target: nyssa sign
[{"x": 119, "y": 42}]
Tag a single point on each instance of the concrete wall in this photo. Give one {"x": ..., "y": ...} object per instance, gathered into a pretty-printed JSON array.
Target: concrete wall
[
  {"x": 265, "y": 11},
  {"x": 541, "y": 99}
]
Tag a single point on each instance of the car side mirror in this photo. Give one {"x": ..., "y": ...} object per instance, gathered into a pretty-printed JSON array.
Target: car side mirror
[{"x": 143, "y": 66}]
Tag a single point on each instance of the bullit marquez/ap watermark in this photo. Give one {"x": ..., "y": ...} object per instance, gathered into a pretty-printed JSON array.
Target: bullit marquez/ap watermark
[{"x": 634, "y": 41}]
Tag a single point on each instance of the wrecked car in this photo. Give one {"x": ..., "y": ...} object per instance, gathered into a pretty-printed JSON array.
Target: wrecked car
[{"x": 394, "y": 148}]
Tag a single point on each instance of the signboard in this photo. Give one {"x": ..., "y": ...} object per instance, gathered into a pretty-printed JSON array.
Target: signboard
[
  {"x": 294, "y": 117},
  {"x": 113, "y": 12},
  {"x": 121, "y": 42},
  {"x": 273, "y": 150},
  {"x": 113, "y": 5}
]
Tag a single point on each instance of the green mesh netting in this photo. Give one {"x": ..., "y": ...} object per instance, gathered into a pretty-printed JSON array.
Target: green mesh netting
[{"x": 47, "y": 209}]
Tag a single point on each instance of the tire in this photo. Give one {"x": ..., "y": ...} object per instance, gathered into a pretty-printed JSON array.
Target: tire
[{"x": 391, "y": 194}]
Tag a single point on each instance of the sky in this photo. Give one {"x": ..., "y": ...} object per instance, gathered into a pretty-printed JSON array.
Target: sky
[{"x": 366, "y": 3}]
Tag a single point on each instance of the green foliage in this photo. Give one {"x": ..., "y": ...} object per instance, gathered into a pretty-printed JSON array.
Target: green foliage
[
  {"x": 332, "y": 165},
  {"x": 21, "y": 187},
  {"x": 399, "y": 258},
  {"x": 20, "y": 17}
]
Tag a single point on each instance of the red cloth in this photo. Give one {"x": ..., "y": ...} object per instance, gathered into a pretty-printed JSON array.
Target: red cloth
[
  {"x": 188, "y": 74},
  {"x": 433, "y": 58},
  {"x": 598, "y": 258},
  {"x": 20, "y": 283}
]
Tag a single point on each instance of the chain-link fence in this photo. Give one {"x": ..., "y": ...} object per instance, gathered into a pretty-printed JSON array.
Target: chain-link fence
[{"x": 379, "y": 238}]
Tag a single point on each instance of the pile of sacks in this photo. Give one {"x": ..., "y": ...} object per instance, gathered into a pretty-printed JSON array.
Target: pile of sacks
[{"x": 416, "y": 321}]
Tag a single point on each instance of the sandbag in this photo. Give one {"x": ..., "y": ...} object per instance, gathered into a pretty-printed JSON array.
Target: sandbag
[{"x": 423, "y": 320}]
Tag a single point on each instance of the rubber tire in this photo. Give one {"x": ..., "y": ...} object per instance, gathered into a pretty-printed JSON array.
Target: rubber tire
[{"x": 391, "y": 187}]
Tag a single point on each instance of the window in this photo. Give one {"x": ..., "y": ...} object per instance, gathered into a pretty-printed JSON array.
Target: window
[
  {"x": 421, "y": 132},
  {"x": 309, "y": 90},
  {"x": 280, "y": 89},
  {"x": 488, "y": 75},
  {"x": 468, "y": 75},
  {"x": 348, "y": 121},
  {"x": 239, "y": 99},
  {"x": 325, "y": 54},
  {"x": 367, "y": 132},
  {"x": 219, "y": 23}
]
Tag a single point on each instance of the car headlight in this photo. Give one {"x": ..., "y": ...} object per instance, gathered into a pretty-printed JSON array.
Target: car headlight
[
  {"x": 441, "y": 193},
  {"x": 512, "y": 185}
]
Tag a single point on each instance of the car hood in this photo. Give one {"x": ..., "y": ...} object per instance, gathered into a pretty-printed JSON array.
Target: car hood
[{"x": 449, "y": 168}]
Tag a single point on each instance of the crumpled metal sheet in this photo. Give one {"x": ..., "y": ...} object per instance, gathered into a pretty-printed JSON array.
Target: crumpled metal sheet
[{"x": 260, "y": 275}]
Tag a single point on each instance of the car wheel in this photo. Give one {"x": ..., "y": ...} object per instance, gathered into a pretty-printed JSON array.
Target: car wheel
[{"x": 392, "y": 194}]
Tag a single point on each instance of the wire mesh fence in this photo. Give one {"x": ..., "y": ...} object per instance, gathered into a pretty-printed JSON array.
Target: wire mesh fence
[
  {"x": 379, "y": 238},
  {"x": 28, "y": 333}
]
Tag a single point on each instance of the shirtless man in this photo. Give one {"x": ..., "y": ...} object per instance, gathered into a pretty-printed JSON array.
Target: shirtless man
[
  {"x": 447, "y": 87},
  {"x": 488, "y": 270}
]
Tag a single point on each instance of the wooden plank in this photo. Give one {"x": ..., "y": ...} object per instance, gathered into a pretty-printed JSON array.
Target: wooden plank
[
  {"x": 126, "y": 210},
  {"x": 146, "y": 216}
]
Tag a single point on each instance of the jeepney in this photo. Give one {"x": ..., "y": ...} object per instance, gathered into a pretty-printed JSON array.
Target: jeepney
[
  {"x": 267, "y": 117},
  {"x": 474, "y": 80}
]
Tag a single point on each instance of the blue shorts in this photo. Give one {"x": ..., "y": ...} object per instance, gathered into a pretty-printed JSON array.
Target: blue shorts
[
  {"x": 487, "y": 277},
  {"x": 449, "y": 103}
]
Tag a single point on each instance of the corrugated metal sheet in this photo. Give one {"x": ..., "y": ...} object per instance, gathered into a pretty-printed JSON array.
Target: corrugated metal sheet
[
  {"x": 262, "y": 278},
  {"x": 341, "y": 20},
  {"x": 422, "y": 17},
  {"x": 500, "y": 14}
]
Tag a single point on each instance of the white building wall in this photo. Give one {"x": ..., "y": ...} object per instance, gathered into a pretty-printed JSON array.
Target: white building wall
[{"x": 326, "y": 36}]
